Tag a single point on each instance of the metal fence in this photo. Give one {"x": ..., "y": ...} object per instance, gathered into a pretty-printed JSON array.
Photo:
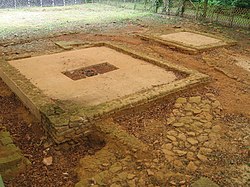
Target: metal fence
[
  {"x": 37, "y": 3},
  {"x": 228, "y": 16}
]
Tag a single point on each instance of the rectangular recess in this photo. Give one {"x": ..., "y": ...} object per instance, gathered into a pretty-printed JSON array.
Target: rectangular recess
[{"x": 90, "y": 71}]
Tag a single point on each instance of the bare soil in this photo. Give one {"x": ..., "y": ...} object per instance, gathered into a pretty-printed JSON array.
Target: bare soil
[
  {"x": 232, "y": 92},
  {"x": 29, "y": 136}
]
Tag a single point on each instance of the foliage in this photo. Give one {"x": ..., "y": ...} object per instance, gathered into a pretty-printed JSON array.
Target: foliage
[
  {"x": 242, "y": 3},
  {"x": 235, "y": 3}
]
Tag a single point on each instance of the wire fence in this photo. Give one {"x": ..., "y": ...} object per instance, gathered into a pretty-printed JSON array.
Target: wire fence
[
  {"x": 228, "y": 16},
  {"x": 37, "y": 3}
]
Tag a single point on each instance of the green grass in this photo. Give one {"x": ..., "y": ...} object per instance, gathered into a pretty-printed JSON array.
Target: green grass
[{"x": 54, "y": 19}]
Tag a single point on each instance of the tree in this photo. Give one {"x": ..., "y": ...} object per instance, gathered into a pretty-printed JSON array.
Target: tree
[
  {"x": 242, "y": 3},
  {"x": 167, "y": 6}
]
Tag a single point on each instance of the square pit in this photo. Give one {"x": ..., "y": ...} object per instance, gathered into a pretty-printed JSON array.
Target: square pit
[
  {"x": 69, "y": 107},
  {"x": 189, "y": 41}
]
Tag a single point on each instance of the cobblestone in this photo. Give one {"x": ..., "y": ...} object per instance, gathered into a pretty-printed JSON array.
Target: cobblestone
[{"x": 185, "y": 147}]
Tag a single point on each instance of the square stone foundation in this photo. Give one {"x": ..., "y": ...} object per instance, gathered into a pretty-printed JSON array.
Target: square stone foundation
[
  {"x": 189, "y": 41},
  {"x": 70, "y": 91}
]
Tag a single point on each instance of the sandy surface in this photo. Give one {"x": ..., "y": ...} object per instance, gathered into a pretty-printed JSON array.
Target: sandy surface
[
  {"x": 132, "y": 75},
  {"x": 189, "y": 38},
  {"x": 243, "y": 62}
]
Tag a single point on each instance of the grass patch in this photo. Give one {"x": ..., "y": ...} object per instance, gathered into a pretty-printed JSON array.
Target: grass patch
[{"x": 38, "y": 20}]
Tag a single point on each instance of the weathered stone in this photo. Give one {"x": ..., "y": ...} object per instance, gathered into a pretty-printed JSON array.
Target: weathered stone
[
  {"x": 202, "y": 157},
  {"x": 182, "y": 136},
  {"x": 216, "y": 128},
  {"x": 205, "y": 151},
  {"x": 181, "y": 100},
  {"x": 186, "y": 120},
  {"x": 191, "y": 167},
  {"x": 191, "y": 133},
  {"x": 180, "y": 152},
  {"x": 115, "y": 185},
  {"x": 156, "y": 160},
  {"x": 192, "y": 141},
  {"x": 100, "y": 178},
  {"x": 193, "y": 148},
  {"x": 197, "y": 123},
  {"x": 150, "y": 172},
  {"x": 172, "y": 132},
  {"x": 210, "y": 95},
  {"x": 189, "y": 114},
  {"x": 131, "y": 176},
  {"x": 210, "y": 144},
  {"x": 206, "y": 105},
  {"x": 178, "y": 124},
  {"x": 48, "y": 161},
  {"x": 160, "y": 176},
  {"x": 173, "y": 183},
  {"x": 188, "y": 107},
  {"x": 167, "y": 152},
  {"x": 196, "y": 110},
  {"x": 169, "y": 158},
  {"x": 187, "y": 145},
  {"x": 178, "y": 164},
  {"x": 175, "y": 143},
  {"x": 172, "y": 138},
  {"x": 213, "y": 136},
  {"x": 202, "y": 138},
  {"x": 167, "y": 146},
  {"x": 196, "y": 99},
  {"x": 207, "y": 116},
  {"x": 6, "y": 141},
  {"x": 116, "y": 167},
  {"x": 177, "y": 105},
  {"x": 181, "y": 144},
  {"x": 190, "y": 156},
  {"x": 204, "y": 182},
  {"x": 216, "y": 104},
  {"x": 123, "y": 175},
  {"x": 207, "y": 125},
  {"x": 141, "y": 182},
  {"x": 176, "y": 112},
  {"x": 170, "y": 120},
  {"x": 131, "y": 183}
]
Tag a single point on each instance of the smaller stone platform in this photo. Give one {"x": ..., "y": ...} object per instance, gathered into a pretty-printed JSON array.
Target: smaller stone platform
[{"x": 189, "y": 41}]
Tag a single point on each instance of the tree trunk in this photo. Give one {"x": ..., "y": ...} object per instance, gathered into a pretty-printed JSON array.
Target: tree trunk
[{"x": 166, "y": 8}]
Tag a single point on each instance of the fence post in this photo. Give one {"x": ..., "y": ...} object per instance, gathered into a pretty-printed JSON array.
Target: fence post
[
  {"x": 134, "y": 4},
  {"x": 41, "y": 3},
  {"x": 53, "y": 3},
  {"x": 28, "y": 3},
  {"x": 15, "y": 3},
  {"x": 232, "y": 18}
]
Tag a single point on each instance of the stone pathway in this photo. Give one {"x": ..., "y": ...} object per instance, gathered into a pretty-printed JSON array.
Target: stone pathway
[
  {"x": 192, "y": 135},
  {"x": 194, "y": 132}
]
